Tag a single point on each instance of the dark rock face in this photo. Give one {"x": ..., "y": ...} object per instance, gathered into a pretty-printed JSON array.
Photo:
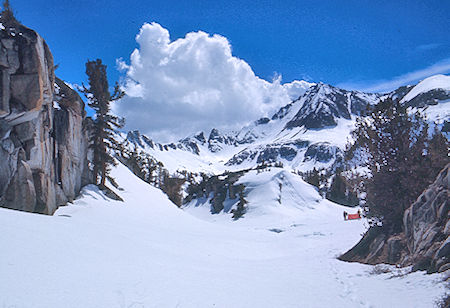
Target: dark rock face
[
  {"x": 425, "y": 242},
  {"x": 283, "y": 111},
  {"x": 270, "y": 153},
  {"x": 216, "y": 140},
  {"x": 322, "y": 152},
  {"x": 43, "y": 128},
  {"x": 427, "y": 225},
  {"x": 200, "y": 137},
  {"x": 400, "y": 92},
  {"x": 429, "y": 98},
  {"x": 371, "y": 249},
  {"x": 148, "y": 141},
  {"x": 189, "y": 145},
  {"x": 262, "y": 121},
  {"x": 242, "y": 156},
  {"x": 395, "y": 249},
  {"x": 135, "y": 138}
]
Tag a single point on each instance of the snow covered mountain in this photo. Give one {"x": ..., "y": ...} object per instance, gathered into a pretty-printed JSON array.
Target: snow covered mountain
[
  {"x": 429, "y": 91},
  {"x": 432, "y": 94},
  {"x": 309, "y": 132},
  {"x": 323, "y": 104}
]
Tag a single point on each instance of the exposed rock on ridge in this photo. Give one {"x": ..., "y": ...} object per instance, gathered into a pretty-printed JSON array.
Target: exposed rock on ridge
[
  {"x": 324, "y": 103},
  {"x": 43, "y": 149}
]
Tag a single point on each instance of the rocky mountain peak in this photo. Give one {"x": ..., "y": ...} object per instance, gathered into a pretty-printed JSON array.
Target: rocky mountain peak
[
  {"x": 217, "y": 140},
  {"x": 215, "y": 135},
  {"x": 322, "y": 104},
  {"x": 200, "y": 137}
]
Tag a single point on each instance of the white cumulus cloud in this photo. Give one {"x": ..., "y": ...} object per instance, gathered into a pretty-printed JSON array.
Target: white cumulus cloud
[{"x": 194, "y": 83}]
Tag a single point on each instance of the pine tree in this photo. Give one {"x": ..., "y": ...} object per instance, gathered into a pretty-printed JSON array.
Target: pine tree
[
  {"x": 312, "y": 177},
  {"x": 7, "y": 15},
  {"x": 151, "y": 168},
  {"x": 394, "y": 144},
  {"x": 240, "y": 208},
  {"x": 172, "y": 187},
  {"x": 102, "y": 139},
  {"x": 386, "y": 139},
  {"x": 438, "y": 150},
  {"x": 340, "y": 192},
  {"x": 135, "y": 162}
]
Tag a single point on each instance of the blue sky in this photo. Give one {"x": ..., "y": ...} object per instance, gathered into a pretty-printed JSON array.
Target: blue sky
[
  {"x": 185, "y": 80},
  {"x": 331, "y": 41}
]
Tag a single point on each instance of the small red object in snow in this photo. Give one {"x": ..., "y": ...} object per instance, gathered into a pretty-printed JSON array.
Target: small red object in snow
[{"x": 353, "y": 216}]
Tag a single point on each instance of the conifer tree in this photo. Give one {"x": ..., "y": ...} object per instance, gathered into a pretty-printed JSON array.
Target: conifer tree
[
  {"x": 7, "y": 15},
  {"x": 395, "y": 145},
  {"x": 102, "y": 139},
  {"x": 151, "y": 168},
  {"x": 172, "y": 187},
  {"x": 438, "y": 150},
  {"x": 240, "y": 208},
  {"x": 340, "y": 192},
  {"x": 135, "y": 162},
  {"x": 312, "y": 177}
]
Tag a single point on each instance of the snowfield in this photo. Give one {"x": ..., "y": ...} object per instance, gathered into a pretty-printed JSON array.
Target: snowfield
[{"x": 145, "y": 252}]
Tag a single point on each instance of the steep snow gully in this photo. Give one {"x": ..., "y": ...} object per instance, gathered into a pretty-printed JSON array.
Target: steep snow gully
[{"x": 145, "y": 252}]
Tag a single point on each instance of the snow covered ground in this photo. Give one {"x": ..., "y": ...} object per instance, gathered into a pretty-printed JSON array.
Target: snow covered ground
[{"x": 146, "y": 252}]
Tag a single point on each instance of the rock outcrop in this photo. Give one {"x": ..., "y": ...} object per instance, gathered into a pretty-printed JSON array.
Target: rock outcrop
[
  {"x": 43, "y": 127},
  {"x": 425, "y": 242},
  {"x": 427, "y": 227}
]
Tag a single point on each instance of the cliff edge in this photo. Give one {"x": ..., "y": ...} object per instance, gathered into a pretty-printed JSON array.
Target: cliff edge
[{"x": 43, "y": 127}]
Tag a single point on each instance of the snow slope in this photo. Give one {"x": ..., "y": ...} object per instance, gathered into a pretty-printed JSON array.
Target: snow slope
[
  {"x": 440, "y": 112},
  {"x": 428, "y": 84},
  {"x": 146, "y": 252}
]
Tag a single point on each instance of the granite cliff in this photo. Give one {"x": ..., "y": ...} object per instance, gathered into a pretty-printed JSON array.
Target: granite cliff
[{"x": 43, "y": 127}]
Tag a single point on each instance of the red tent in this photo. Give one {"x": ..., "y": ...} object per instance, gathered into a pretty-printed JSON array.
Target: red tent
[{"x": 353, "y": 216}]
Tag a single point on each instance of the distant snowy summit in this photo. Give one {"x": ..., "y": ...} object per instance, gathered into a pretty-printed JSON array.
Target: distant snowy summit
[
  {"x": 309, "y": 132},
  {"x": 429, "y": 91}
]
